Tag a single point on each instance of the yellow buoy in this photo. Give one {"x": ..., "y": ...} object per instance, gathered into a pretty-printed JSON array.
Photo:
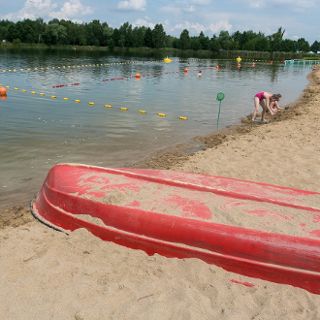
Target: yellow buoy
[
  {"x": 162, "y": 115},
  {"x": 65, "y": 98},
  {"x": 142, "y": 111},
  {"x": 23, "y": 90},
  {"x": 183, "y": 118},
  {"x": 77, "y": 101},
  {"x": 238, "y": 59},
  {"x": 53, "y": 97},
  {"x": 16, "y": 88},
  {"x": 33, "y": 92},
  {"x": 91, "y": 103},
  {"x": 42, "y": 94},
  {"x": 167, "y": 60},
  {"x": 108, "y": 106},
  {"x": 124, "y": 109}
]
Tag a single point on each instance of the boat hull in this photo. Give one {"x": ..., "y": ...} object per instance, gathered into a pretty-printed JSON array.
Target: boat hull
[{"x": 67, "y": 196}]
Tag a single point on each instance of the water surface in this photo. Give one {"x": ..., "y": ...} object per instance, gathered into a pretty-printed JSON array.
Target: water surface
[{"x": 37, "y": 131}]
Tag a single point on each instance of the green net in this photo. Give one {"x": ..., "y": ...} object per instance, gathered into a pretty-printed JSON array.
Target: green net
[{"x": 220, "y": 96}]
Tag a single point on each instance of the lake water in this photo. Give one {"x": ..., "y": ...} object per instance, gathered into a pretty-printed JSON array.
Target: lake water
[{"x": 38, "y": 130}]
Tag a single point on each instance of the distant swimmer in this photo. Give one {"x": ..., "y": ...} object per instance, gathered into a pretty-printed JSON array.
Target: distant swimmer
[
  {"x": 267, "y": 101},
  {"x": 200, "y": 73}
]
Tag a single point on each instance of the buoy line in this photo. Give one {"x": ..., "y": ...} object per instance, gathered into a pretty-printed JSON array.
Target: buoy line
[{"x": 90, "y": 103}]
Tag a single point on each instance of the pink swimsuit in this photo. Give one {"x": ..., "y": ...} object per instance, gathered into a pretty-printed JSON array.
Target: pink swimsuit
[{"x": 260, "y": 95}]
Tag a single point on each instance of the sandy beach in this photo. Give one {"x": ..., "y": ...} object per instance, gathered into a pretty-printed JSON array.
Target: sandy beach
[{"x": 45, "y": 274}]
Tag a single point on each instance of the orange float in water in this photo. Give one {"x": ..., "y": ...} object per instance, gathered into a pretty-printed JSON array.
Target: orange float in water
[
  {"x": 138, "y": 75},
  {"x": 3, "y": 92}
]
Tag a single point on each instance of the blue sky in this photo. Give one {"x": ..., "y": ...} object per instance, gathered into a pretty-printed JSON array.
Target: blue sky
[{"x": 300, "y": 18}]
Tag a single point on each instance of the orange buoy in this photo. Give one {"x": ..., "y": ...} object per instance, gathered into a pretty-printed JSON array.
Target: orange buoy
[
  {"x": 138, "y": 75},
  {"x": 3, "y": 92}
]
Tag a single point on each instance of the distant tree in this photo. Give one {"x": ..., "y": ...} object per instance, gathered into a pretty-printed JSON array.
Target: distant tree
[
  {"x": 14, "y": 32},
  {"x": 94, "y": 33},
  {"x": 55, "y": 34},
  {"x": 262, "y": 42},
  {"x": 184, "y": 40},
  {"x": 125, "y": 32},
  {"x": 288, "y": 45},
  {"x": 303, "y": 45},
  {"x": 276, "y": 39},
  {"x": 100, "y": 34},
  {"x": 195, "y": 43},
  {"x": 204, "y": 41},
  {"x": 214, "y": 44},
  {"x": 116, "y": 37},
  {"x": 138, "y": 34},
  {"x": 106, "y": 34},
  {"x": 225, "y": 40},
  {"x": 171, "y": 42},
  {"x": 244, "y": 40},
  {"x": 148, "y": 38},
  {"x": 4, "y": 26},
  {"x": 158, "y": 36},
  {"x": 315, "y": 47}
]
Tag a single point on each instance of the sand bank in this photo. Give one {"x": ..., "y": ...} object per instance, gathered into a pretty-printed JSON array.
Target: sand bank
[{"x": 48, "y": 275}]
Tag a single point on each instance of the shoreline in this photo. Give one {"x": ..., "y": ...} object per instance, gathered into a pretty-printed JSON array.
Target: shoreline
[{"x": 177, "y": 156}]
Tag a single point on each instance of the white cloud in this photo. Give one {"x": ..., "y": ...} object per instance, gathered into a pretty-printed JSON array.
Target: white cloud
[
  {"x": 289, "y": 4},
  {"x": 219, "y": 26},
  {"x": 196, "y": 28},
  {"x": 33, "y": 9},
  {"x": 143, "y": 23},
  {"x": 134, "y": 5},
  {"x": 71, "y": 9},
  {"x": 171, "y": 9},
  {"x": 179, "y": 6},
  {"x": 190, "y": 8},
  {"x": 200, "y": 2}
]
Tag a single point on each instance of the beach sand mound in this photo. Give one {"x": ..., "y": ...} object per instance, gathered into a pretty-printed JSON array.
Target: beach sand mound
[{"x": 55, "y": 276}]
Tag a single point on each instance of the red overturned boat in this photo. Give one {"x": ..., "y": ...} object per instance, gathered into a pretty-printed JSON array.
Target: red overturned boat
[{"x": 255, "y": 229}]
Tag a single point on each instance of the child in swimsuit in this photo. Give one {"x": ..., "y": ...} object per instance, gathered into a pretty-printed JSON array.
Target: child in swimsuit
[{"x": 267, "y": 101}]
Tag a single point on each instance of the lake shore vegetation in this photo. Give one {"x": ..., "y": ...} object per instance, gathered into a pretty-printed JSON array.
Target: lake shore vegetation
[{"x": 99, "y": 36}]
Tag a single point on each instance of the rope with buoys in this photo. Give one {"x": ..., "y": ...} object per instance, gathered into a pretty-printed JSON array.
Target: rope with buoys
[
  {"x": 78, "y": 66},
  {"x": 90, "y": 103}
]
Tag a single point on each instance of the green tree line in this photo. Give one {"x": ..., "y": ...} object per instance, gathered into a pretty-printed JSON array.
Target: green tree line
[{"x": 96, "y": 33}]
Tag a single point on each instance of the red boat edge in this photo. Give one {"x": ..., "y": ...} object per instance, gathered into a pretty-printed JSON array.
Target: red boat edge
[{"x": 280, "y": 258}]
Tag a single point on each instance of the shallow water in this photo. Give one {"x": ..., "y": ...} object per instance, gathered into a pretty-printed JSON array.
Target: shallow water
[{"x": 37, "y": 131}]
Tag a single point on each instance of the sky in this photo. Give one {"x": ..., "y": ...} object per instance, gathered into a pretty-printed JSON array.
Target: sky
[{"x": 299, "y": 18}]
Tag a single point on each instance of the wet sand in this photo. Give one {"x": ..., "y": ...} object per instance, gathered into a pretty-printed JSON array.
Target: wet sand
[{"x": 46, "y": 274}]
